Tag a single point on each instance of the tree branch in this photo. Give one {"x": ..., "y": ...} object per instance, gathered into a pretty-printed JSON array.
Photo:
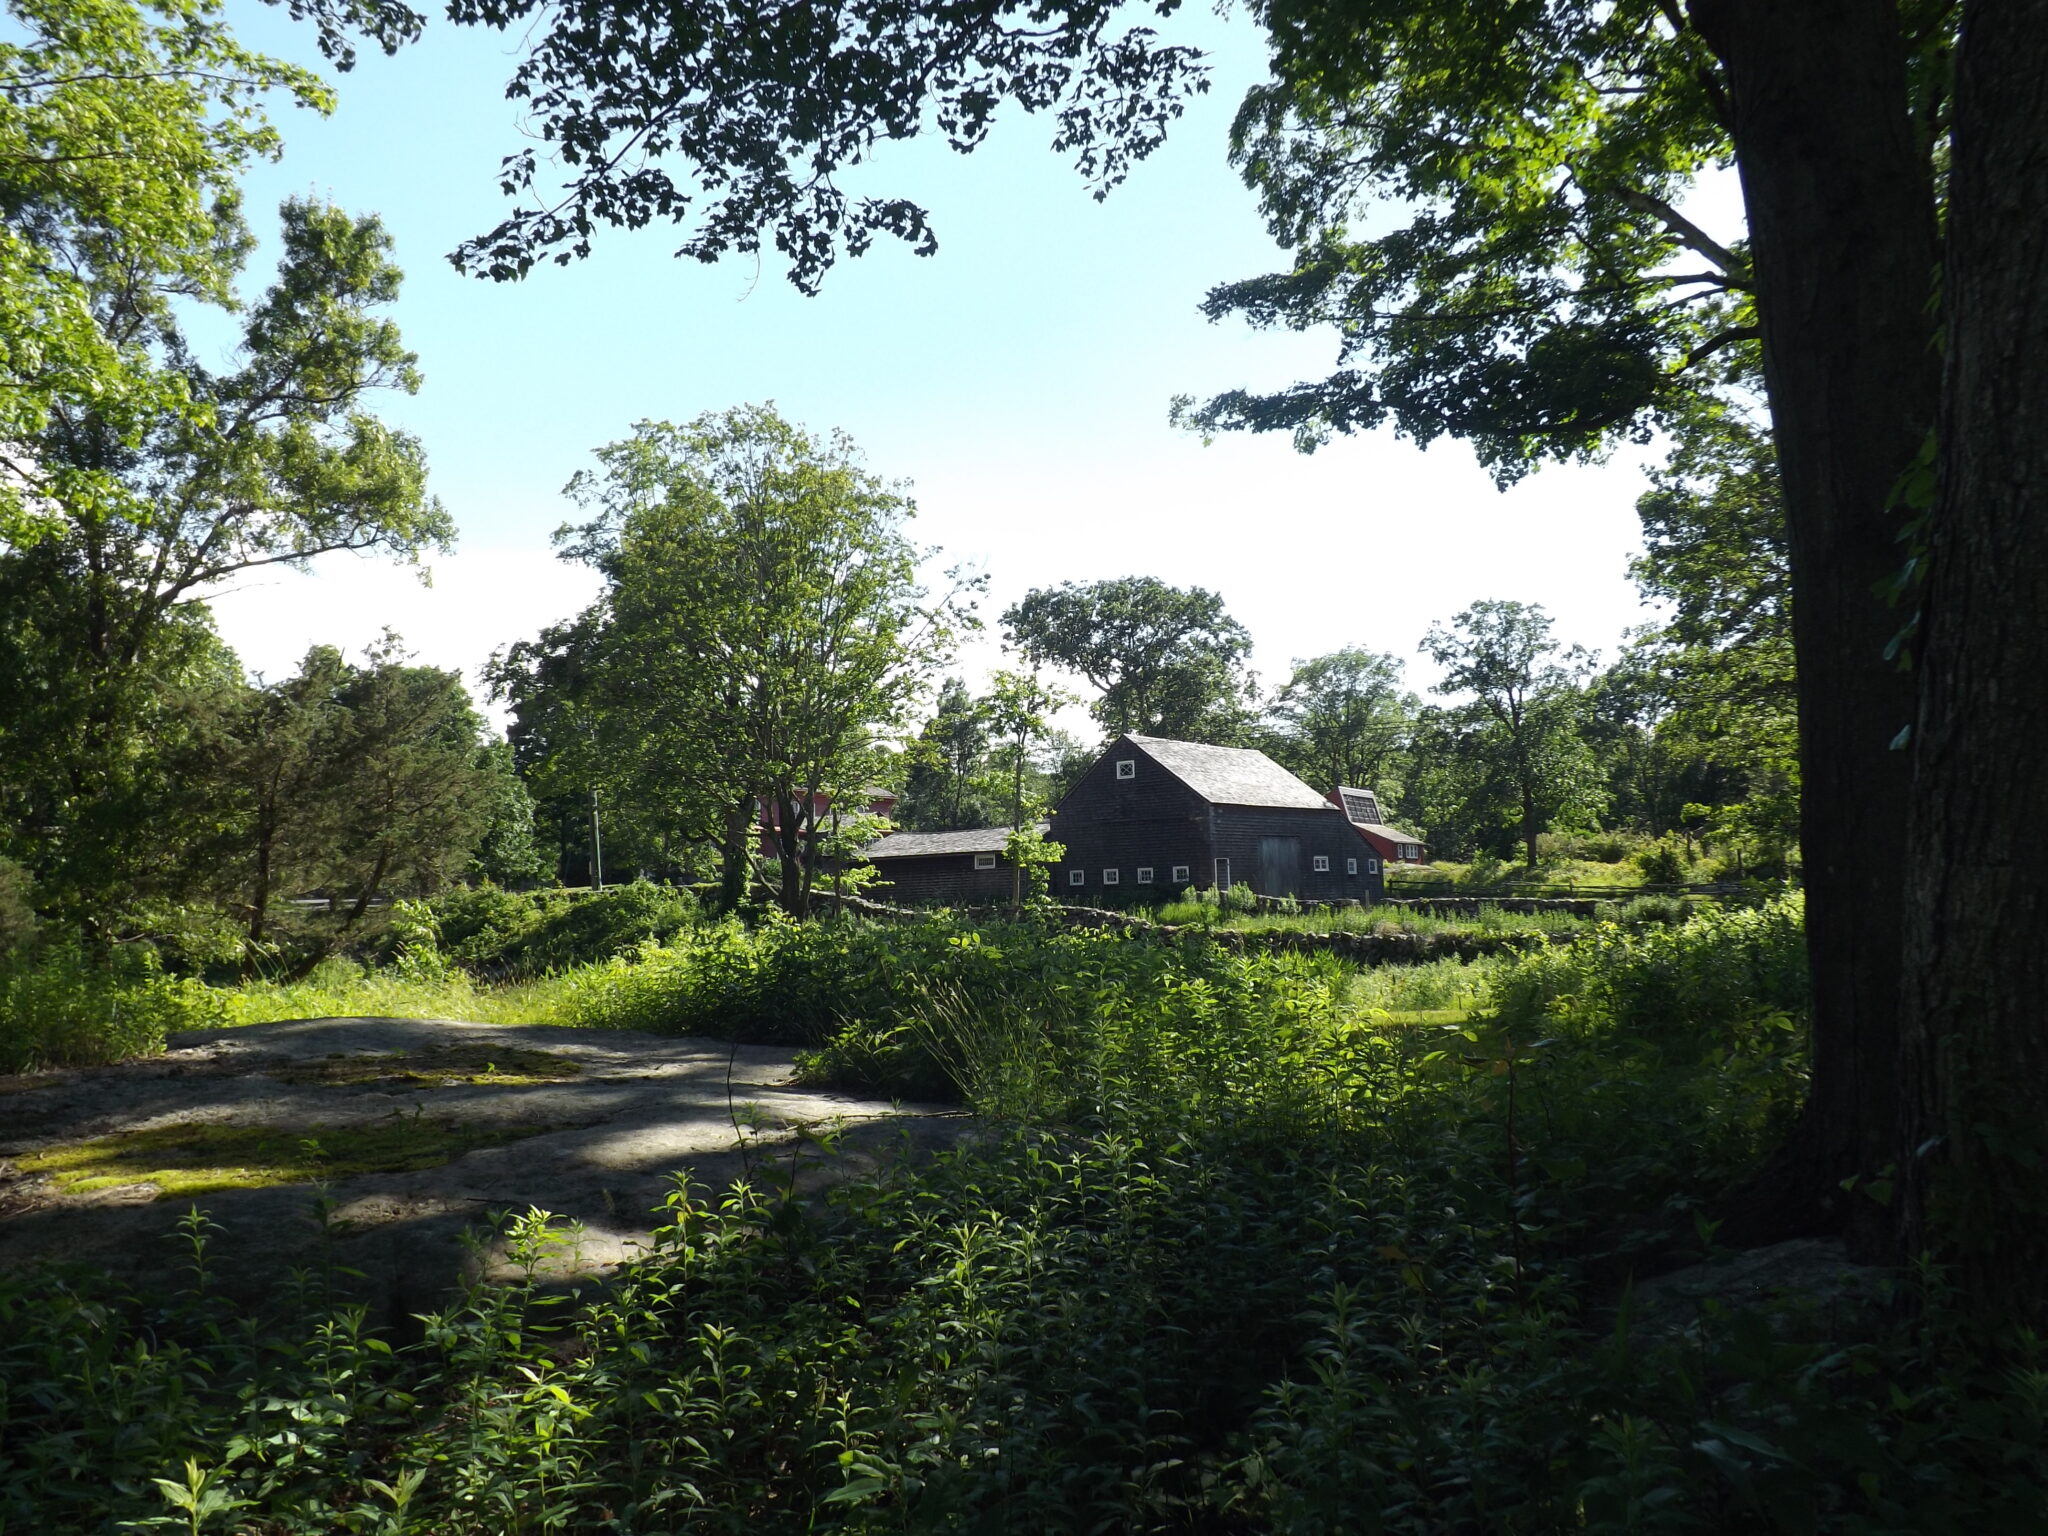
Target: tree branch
[
  {"x": 1689, "y": 233},
  {"x": 1716, "y": 343}
]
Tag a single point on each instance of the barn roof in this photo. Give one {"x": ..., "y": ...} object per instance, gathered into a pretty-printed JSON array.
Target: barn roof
[
  {"x": 1231, "y": 775},
  {"x": 925, "y": 845}
]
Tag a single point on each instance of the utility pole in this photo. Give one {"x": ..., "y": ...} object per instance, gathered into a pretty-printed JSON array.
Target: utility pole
[{"x": 596, "y": 848}]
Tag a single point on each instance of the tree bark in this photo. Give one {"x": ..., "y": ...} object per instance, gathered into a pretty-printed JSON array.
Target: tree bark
[
  {"x": 1974, "y": 1062},
  {"x": 732, "y": 873},
  {"x": 1843, "y": 242}
]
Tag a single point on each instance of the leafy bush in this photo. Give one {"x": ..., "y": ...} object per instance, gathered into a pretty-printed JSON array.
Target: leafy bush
[
  {"x": 1589, "y": 847},
  {"x": 499, "y": 933},
  {"x": 61, "y": 1008},
  {"x": 1668, "y": 910},
  {"x": 18, "y": 925},
  {"x": 1724, "y": 968},
  {"x": 1662, "y": 863}
]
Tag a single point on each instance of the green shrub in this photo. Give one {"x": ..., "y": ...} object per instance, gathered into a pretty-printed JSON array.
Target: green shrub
[
  {"x": 1188, "y": 910},
  {"x": 1722, "y": 969},
  {"x": 18, "y": 927},
  {"x": 1662, "y": 864},
  {"x": 60, "y": 1008},
  {"x": 1668, "y": 910},
  {"x": 499, "y": 933},
  {"x": 1273, "y": 1266}
]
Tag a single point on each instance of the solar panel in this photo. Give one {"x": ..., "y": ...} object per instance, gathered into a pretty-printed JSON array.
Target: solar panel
[{"x": 1361, "y": 806}]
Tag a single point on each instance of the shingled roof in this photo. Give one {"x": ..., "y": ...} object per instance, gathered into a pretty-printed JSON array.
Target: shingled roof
[
  {"x": 925, "y": 845},
  {"x": 1230, "y": 775}
]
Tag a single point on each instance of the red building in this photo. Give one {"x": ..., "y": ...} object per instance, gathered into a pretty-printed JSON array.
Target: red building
[{"x": 1361, "y": 807}]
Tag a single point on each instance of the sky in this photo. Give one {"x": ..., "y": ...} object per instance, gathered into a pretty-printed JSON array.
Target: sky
[{"x": 1020, "y": 380}]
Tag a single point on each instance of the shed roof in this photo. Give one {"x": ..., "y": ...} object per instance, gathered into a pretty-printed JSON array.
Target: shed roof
[
  {"x": 1349, "y": 796},
  {"x": 925, "y": 845},
  {"x": 1391, "y": 834},
  {"x": 1231, "y": 775}
]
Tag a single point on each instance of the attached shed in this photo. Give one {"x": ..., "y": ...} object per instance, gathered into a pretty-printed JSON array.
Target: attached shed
[
  {"x": 1362, "y": 810},
  {"x": 955, "y": 869},
  {"x": 1153, "y": 816}
]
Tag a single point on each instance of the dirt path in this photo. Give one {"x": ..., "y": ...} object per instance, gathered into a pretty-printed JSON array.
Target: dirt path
[{"x": 590, "y": 1125}]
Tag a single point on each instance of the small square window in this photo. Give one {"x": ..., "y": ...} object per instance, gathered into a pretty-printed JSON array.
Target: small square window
[
  {"x": 1077, "y": 877},
  {"x": 1111, "y": 876},
  {"x": 984, "y": 861},
  {"x": 1127, "y": 767},
  {"x": 1144, "y": 874},
  {"x": 1180, "y": 874},
  {"x": 1372, "y": 866},
  {"x": 1322, "y": 864},
  {"x": 1351, "y": 866}
]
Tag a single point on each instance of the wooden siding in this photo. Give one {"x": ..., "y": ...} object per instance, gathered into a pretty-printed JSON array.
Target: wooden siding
[
  {"x": 1124, "y": 824},
  {"x": 1239, "y": 830},
  {"x": 946, "y": 879},
  {"x": 1154, "y": 819}
]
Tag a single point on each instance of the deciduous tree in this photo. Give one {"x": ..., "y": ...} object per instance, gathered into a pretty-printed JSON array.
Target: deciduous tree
[
  {"x": 1523, "y": 684},
  {"x": 1343, "y": 719},
  {"x": 273, "y": 463},
  {"x": 1168, "y": 660},
  {"x": 763, "y": 620}
]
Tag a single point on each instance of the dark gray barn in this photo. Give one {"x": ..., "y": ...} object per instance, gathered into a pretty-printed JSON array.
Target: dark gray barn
[
  {"x": 1155, "y": 816},
  {"x": 955, "y": 869}
]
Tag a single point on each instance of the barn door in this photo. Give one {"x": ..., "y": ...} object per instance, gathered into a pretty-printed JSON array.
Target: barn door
[
  {"x": 1223, "y": 874},
  {"x": 1279, "y": 866}
]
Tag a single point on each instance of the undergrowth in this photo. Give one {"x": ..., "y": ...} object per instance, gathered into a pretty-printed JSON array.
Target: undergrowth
[
  {"x": 1490, "y": 919},
  {"x": 1235, "y": 1254},
  {"x": 59, "y": 1007}
]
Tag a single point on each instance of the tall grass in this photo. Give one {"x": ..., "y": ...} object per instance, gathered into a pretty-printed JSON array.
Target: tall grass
[
  {"x": 59, "y": 1007},
  {"x": 1491, "y": 918},
  {"x": 342, "y": 988}
]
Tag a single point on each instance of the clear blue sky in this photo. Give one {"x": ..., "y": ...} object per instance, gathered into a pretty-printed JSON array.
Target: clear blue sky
[{"x": 1020, "y": 379}]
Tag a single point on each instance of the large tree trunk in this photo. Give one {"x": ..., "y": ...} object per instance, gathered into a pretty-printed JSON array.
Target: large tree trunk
[
  {"x": 1974, "y": 1067},
  {"x": 1842, "y": 231}
]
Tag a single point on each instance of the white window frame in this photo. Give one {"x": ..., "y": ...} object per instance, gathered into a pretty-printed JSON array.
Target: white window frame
[
  {"x": 1319, "y": 864},
  {"x": 1372, "y": 866},
  {"x": 1077, "y": 877},
  {"x": 1144, "y": 874},
  {"x": 1180, "y": 874},
  {"x": 984, "y": 861},
  {"x": 1351, "y": 866},
  {"x": 1112, "y": 876},
  {"x": 1127, "y": 768}
]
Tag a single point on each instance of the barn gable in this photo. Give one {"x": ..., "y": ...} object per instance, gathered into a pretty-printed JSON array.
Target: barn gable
[{"x": 1153, "y": 815}]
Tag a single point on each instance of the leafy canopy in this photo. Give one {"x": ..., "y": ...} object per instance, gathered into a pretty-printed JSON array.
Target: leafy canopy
[
  {"x": 1539, "y": 291},
  {"x": 763, "y": 623},
  {"x": 1522, "y": 719},
  {"x": 766, "y": 110},
  {"x": 1168, "y": 660}
]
